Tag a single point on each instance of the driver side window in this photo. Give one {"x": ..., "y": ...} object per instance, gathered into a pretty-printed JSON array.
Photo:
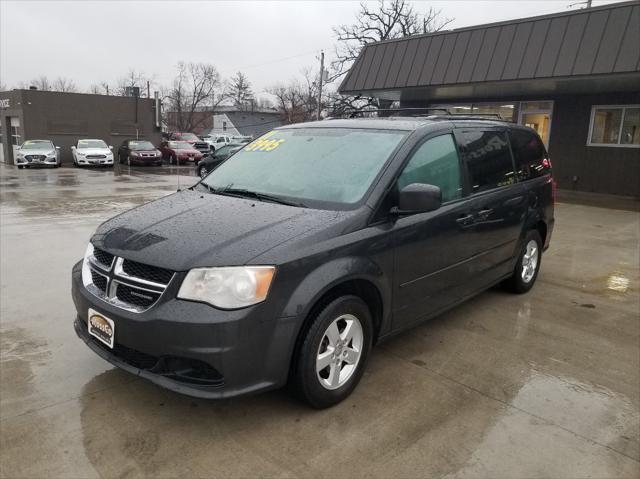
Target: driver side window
[{"x": 435, "y": 162}]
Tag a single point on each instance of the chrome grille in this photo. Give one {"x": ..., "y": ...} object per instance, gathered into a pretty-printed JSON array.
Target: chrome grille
[
  {"x": 124, "y": 283},
  {"x": 96, "y": 157}
]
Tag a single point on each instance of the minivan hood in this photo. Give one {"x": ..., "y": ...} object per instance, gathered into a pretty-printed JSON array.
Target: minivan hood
[{"x": 191, "y": 229}]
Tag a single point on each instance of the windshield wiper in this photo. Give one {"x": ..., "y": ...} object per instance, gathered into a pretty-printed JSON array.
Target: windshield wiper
[{"x": 244, "y": 193}]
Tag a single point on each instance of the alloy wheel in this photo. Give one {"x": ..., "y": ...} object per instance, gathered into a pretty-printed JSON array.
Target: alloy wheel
[
  {"x": 530, "y": 261},
  {"x": 339, "y": 351}
]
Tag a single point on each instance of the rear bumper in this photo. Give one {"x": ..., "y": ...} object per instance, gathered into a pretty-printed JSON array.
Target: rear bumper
[{"x": 193, "y": 348}]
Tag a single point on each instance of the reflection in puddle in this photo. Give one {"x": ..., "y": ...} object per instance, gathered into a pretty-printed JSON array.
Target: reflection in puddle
[
  {"x": 617, "y": 281},
  {"x": 550, "y": 412}
]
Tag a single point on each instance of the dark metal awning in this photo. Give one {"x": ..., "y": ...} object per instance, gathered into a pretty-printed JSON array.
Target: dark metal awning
[{"x": 579, "y": 51}]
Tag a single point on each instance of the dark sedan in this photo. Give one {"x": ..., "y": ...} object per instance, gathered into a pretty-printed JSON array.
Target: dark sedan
[
  {"x": 139, "y": 151},
  {"x": 213, "y": 160}
]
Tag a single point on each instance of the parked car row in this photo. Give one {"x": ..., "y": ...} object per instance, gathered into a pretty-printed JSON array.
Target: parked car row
[{"x": 177, "y": 149}]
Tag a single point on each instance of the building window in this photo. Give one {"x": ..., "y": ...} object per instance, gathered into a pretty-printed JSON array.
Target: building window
[
  {"x": 615, "y": 125},
  {"x": 506, "y": 110},
  {"x": 15, "y": 135}
]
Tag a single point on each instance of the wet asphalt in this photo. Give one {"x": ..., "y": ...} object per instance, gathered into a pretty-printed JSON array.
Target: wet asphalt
[{"x": 541, "y": 385}]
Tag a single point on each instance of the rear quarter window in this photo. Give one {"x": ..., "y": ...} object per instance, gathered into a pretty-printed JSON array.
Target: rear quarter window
[
  {"x": 529, "y": 155},
  {"x": 488, "y": 159}
]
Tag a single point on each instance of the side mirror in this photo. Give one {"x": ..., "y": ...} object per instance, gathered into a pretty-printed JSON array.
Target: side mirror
[
  {"x": 57, "y": 147},
  {"x": 418, "y": 198},
  {"x": 110, "y": 147},
  {"x": 73, "y": 147}
]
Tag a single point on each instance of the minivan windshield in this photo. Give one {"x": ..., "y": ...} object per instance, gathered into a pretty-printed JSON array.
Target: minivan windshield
[{"x": 322, "y": 165}]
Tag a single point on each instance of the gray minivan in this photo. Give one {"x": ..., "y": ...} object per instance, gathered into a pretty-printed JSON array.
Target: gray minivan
[{"x": 309, "y": 245}]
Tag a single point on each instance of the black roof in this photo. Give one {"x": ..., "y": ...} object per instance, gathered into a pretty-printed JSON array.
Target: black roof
[
  {"x": 403, "y": 123},
  {"x": 595, "y": 41}
]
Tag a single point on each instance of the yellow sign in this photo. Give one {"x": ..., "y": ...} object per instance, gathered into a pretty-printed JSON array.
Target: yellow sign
[{"x": 265, "y": 143}]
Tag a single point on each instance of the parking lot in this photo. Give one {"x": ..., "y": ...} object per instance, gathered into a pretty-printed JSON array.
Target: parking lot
[{"x": 541, "y": 385}]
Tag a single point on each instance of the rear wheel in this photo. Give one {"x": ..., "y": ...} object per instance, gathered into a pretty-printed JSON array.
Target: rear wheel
[
  {"x": 527, "y": 266},
  {"x": 334, "y": 352}
]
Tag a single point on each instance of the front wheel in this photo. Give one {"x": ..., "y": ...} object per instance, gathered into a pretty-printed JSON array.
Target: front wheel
[
  {"x": 527, "y": 266},
  {"x": 334, "y": 352}
]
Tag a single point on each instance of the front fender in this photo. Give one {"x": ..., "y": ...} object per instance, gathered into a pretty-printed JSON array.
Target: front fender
[{"x": 329, "y": 275}]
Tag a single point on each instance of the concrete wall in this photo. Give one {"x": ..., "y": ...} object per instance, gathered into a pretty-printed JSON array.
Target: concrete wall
[{"x": 66, "y": 117}]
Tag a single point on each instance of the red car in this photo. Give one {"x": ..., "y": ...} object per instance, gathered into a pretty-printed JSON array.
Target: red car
[
  {"x": 179, "y": 152},
  {"x": 193, "y": 140},
  {"x": 139, "y": 151}
]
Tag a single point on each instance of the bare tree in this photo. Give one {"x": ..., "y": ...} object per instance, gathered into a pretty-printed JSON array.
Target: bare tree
[
  {"x": 65, "y": 85},
  {"x": 134, "y": 79},
  {"x": 196, "y": 88},
  {"x": 101, "y": 88},
  {"x": 41, "y": 83},
  {"x": 297, "y": 100},
  {"x": 239, "y": 90},
  {"x": 387, "y": 20}
]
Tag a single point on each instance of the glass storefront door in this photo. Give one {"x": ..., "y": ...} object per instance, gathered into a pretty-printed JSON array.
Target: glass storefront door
[{"x": 537, "y": 115}]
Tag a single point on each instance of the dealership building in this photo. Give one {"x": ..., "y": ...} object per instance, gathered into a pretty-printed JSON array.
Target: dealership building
[
  {"x": 64, "y": 118},
  {"x": 573, "y": 76}
]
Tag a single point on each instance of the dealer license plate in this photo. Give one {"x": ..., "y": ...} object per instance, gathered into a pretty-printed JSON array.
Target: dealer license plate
[{"x": 101, "y": 327}]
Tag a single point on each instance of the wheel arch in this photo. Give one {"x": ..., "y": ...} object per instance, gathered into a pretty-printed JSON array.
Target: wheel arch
[{"x": 367, "y": 283}]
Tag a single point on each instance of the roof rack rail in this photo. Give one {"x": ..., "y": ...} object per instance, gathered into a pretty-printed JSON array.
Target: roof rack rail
[
  {"x": 411, "y": 111},
  {"x": 442, "y": 113},
  {"x": 471, "y": 116}
]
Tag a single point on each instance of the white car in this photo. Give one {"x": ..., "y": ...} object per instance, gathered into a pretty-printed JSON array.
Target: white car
[
  {"x": 92, "y": 152},
  {"x": 216, "y": 142},
  {"x": 38, "y": 153}
]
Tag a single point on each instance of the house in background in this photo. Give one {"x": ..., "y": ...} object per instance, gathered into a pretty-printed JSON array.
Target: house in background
[
  {"x": 229, "y": 120},
  {"x": 573, "y": 76},
  {"x": 235, "y": 122}
]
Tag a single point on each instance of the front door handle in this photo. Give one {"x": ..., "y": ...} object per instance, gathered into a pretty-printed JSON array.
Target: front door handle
[
  {"x": 466, "y": 220},
  {"x": 484, "y": 214}
]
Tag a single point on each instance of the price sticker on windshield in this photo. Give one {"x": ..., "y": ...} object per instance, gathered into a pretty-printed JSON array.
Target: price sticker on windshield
[{"x": 265, "y": 143}]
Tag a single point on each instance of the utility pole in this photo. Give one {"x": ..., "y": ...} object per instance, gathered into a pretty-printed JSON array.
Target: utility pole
[
  {"x": 320, "y": 83},
  {"x": 148, "y": 90}
]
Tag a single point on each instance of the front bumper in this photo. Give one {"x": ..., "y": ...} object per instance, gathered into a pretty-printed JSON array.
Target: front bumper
[
  {"x": 95, "y": 162},
  {"x": 193, "y": 348},
  {"x": 30, "y": 162}
]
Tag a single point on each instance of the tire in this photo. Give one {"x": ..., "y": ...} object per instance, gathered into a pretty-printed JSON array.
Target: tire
[
  {"x": 20, "y": 167},
  {"x": 324, "y": 388},
  {"x": 524, "y": 273}
]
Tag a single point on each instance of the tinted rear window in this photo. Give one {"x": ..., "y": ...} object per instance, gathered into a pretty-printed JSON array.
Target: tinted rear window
[
  {"x": 488, "y": 159},
  {"x": 529, "y": 155}
]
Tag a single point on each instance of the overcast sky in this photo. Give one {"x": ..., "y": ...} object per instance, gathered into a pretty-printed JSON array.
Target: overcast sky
[{"x": 93, "y": 41}]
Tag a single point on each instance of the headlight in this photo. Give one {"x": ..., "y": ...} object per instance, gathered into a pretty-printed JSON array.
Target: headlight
[
  {"x": 86, "y": 271},
  {"x": 80, "y": 154},
  {"x": 20, "y": 155},
  {"x": 228, "y": 288},
  {"x": 51, "y": 154}
]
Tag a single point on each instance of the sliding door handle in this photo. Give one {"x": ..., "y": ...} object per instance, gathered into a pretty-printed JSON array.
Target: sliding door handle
[{"x": 466, "y": 220}]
